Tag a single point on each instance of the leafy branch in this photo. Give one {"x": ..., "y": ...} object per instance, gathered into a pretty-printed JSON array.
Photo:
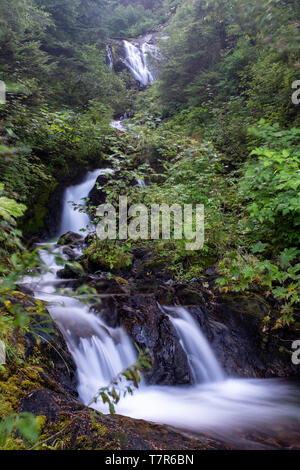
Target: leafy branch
[{"x": 118, "y": 388}]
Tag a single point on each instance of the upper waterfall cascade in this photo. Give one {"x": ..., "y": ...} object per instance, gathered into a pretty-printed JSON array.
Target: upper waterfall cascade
[
  {"x": 137, "y": 61},
  {"x": 141, "y": 59}
]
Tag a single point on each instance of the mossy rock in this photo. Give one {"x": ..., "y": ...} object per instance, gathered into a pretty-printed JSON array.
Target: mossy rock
[
  {"x": 36, "y": 215},
  {"x": 250, "y": 305},
  {"x": 70, "y": 239},
  {"x": 189, "y": 296},
  {"x": 72, "y": 270},
  {"x": 108, "y": 257}
]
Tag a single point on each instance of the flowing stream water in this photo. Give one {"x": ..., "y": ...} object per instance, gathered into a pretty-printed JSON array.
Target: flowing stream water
[{"x": 219, "y": 405}]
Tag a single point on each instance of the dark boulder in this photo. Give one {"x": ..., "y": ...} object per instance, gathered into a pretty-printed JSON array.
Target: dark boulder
[
  {"x": 69, "y": 253},
  {"x": 71, "y": 239},
  {"x": 77, "y": 427},
  {"x": 97, "y": 195},
  {"x": 151, "y": 329},
  {"x": 72, "y": 270},
  {"x": 234, "y": 327},
  {"x": 42, "y": 402}
]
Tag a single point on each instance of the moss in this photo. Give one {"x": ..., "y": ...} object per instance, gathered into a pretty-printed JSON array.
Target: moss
[
  {"x": 13, "y": 443},
  {"x": 96, "y": 426},
  {"x": 109, "y": 255},
  {"x": 83, "y": 443},
  {"x": 122, "y": 437},
  {"x": 27, "y": 385},
  {"x": 121, "y": 280},
  {"x": 16, "y": 387},
  {"x": 41, "y": 421},
  {"x": 19, "y": 375},
  {"x": 36, "y": 215},
  {"x": 252, "y": 305}
]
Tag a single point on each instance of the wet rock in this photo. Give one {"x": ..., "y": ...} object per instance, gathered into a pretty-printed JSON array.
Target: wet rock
[
  {"x": 151, "y": 329},
  {"x": 81, "y": 429},
  {"x": 97, "y": 195},
  {"x": 70, "y": 238},
  {"x": 189, "y": 295},
  {"x": 69, "y": 253},
  {"x": 26, "y": 289},
  {"x": 110, "y": 286},
  {"x": 72, "y": 270},
  {"x": 41, "y": 402},
  {"x": 234, "y": 327}
]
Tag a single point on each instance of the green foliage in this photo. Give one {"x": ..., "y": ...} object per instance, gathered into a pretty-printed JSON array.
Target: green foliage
[
  {"x": 16, "y": 316},
  {"x": 24, "y": 424},
  {"x": 9, "y": 208},
  {"x": 281, "y": 279},
  {"x": 271, "y": 185},
  {"x": 130, "y": 21},
  {"x": 23, "y": 27},
  {"x": 235, "y": 59},
  {"x": 109, "y": 255},
  {"x": 131, "y": 18}
]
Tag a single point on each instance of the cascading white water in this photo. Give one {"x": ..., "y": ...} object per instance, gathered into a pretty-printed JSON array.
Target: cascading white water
[
  {"x": 141, "y": 183},
  {"x": 136, "y": 61},
  {"x": 75, "y": 220},
  {"x": 118, "y": 124},
  {"x": 100, "y": 352},
  {"x": 152, "y": 51},
  {"x": 109, "y": 57},
  {"x": 224, "y": 407},
  {"x": 203, "y": 363}
]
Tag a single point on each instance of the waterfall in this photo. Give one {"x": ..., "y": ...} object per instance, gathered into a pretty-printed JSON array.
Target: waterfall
[
  {"x": 222, "y": 406},
  {"x": 109, "y": 57},
  {"x": 141, "y": 184},
  {"x": 76, "y": 220},
  {"x": 99, "y": 352},
  {"x": 136, "y": 61},
  {"x": 203, "y": 363},
  {"x": 117, "y": 124}
]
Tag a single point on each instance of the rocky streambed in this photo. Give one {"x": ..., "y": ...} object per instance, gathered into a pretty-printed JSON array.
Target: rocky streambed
[
  {"x": 132, "y": 298},
  {"x": 222, "y": 335}
]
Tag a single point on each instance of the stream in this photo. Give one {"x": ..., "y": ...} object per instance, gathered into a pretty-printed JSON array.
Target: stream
[
  {"x": 231, "y": 409},
  {"x": 221, "y": 406}
]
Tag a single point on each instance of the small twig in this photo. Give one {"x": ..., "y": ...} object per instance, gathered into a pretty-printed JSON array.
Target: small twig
[
  {"x": 50, "y": 438},
  {"x": 56, "y": 351}
]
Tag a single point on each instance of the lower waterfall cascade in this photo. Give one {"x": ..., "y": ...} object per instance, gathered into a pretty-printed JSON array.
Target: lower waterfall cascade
[{"x": 215, "y": 403}]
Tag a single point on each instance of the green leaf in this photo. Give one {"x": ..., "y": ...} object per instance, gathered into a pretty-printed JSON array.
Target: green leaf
[
  {"x": 258, "y": 247},
  {"x": 9, "y": 208}
]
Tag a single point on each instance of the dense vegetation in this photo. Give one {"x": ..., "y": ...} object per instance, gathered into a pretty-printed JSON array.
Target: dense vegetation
[{"x": 218, "y": 128}]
